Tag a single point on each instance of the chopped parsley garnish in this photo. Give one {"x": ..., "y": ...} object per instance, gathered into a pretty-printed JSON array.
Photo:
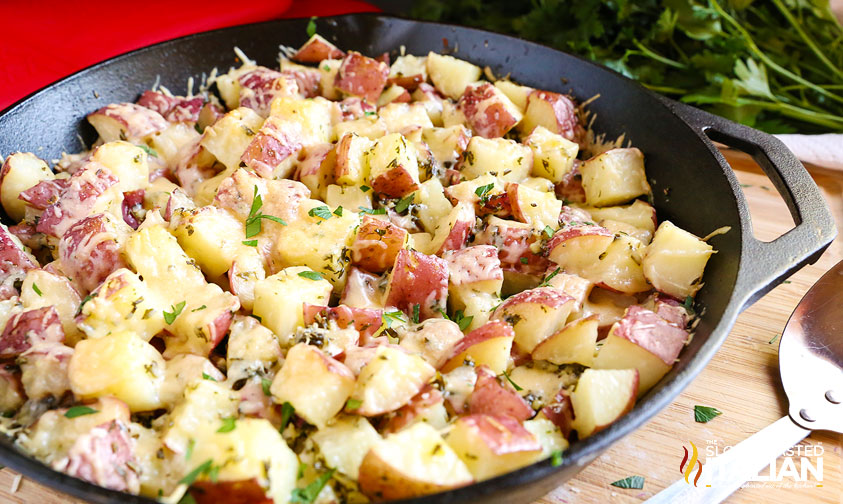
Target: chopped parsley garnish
[
  {"x": 265, "y": 384},
  {"x": 203, "y": 468},
  {"x": 310, "y": 275},
  {"x": 77, "y": 411},
  {"x": 189, "y": 452},
  {"x": 774, "y": 339},
  {"x": 482, "y": 192},
  {"x": 149, "y": 152},
  {"x": 373, "y": 211},
  {"x": 548, "y": 231},
  {"x": 170, "y": 317},
  {"x": 338, "y": 211},
  {"x": 524, "y": 260},
  {"x": 87, "y": 298},
  {"x": 308, "y": 494},
  {"x": 206, "y": 376},
  {"x": 253, "y": 222},
  {"x": 228, "y": 424},
  {"x": 198, "y": 309},
  {"x": 704, "y": 414},
  {"x": 390, "y": 317},
  {"x": 462, "y": 320},
  {"x": 416, "y": 308},
  {"x": 287, "y": 411},
  {"x": 323, "y": 212},
  {"x": 443, "y": 313},
  {"x": 633, "y": 482},
  {"x": 311, "y": 27},
  {"x": 546, "y": 281},
  {"x": 556, "y": 458},
  {"x": 365, "y": 188},
  {"x": 404, "y": 203},
  {"x": 250, "y": 243},
  {"x": 353, "y": 404},
  {"x": 689, "y": 306},
  {"x": 367, "y": 114},
  {"x": 36, "y": 289},
  {"x": 514, "y": 385}
]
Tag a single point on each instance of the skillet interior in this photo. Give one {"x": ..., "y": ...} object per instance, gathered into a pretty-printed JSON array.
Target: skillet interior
[{"x": 690, "y": 187}]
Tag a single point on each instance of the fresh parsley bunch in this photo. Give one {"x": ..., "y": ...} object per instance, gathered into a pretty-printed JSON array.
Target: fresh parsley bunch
[{"x": 776, "y": 65}]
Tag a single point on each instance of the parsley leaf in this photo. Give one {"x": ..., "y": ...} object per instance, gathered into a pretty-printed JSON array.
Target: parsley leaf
[
  {"x": 394, "y": 316},
  {"x": 149, "y": 152},
  {"x": 482, "y": 192},
  {"x": 416, "y": 308},
  {"x": 308, "y": 494},
  {"x": 253, "y": 221},
  {"x": 310, "y": 275},
  {"x": 514, "y": 385},
  {"x": 462, "y": 320},
  {"x": 36, "y": 289},
  {"x": 689, "y": 306},
  {"x": 206, "y": 376},
  {"x": 546, "y": 280},
  {"x": 228, "y": 424},
  {"x": 202, "y": 468},
  {"x": 353, "y": 404},
  {"x": 250, "y": 243},
  {"x": 704, "y": 414},
  {"x": 634, "y": 482},
  {"x": 198, "y": 309},
  {"x": 322, "y": 212},
  {"x": 189, "y": 452},
  {"x": 548, "y": 231},
  {"x": 170, "y": 317},
  {"x": 365, "y": 188},
  {"x": 373, "y": 211},
  {"x": 77, "y": 411},
  {"x": 404, "y": 203},
  {"x": 265, "y": 384},
  {"x": 556, "y": 458},
  {"x": 311, "y": 27},
  {"x": 338, "y": 211},
  {"x": 524, "y": 260},
  {"x": 287, "y": 411}
]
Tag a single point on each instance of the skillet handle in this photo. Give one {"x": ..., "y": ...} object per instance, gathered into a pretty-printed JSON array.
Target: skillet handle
[{"x": 764, "y": 265}]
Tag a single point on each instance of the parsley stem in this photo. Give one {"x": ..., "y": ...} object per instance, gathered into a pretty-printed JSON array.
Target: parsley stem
[{"x": 808, "y": 40}]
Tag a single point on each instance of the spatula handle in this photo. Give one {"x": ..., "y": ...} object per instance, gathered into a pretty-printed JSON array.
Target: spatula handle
[{"x": 728, "y": 471}]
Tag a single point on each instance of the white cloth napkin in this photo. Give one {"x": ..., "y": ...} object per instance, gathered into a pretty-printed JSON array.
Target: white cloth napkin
[{"x": 822, "y": 150}]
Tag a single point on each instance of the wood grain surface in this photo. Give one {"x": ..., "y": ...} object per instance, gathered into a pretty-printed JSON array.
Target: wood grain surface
[{"x": 742, "y": 381}]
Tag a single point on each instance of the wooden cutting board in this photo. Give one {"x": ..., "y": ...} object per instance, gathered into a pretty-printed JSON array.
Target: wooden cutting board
[{"x": 742, "y": 381}]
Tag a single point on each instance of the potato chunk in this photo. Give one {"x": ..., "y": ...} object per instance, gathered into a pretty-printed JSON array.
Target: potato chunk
[
  {"x": 389, "y": 381},
  {"x": 614, "y": 177},
  {"x": 451, "y": 75},
  {"x": 675, "y": 260},
  {"x": 279, "y": 298}
]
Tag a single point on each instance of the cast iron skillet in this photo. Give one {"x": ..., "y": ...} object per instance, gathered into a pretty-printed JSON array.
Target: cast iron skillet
[{"x": 692, "y": 184}]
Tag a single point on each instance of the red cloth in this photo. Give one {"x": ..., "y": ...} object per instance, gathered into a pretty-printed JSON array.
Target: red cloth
[{"x": 44, "y": 41}]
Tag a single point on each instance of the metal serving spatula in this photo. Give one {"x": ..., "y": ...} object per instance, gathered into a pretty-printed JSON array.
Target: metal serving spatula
[{"x": 811, "y": 367}]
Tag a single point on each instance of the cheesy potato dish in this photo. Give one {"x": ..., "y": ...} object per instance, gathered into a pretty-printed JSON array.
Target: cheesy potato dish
[{"x": 342, "y": 280}]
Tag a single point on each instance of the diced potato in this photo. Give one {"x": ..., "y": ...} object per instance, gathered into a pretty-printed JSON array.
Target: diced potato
[
  {"x": 488, "y": 345},
  {"x": 451, "y": 75},
  {"x": 210, "y": 235},
  {"x": 20, "y": 171},
  {"x": 505, "y": 159},
  {"x": 492, "y": 445},
  {"x": 312, "y": 114},
  {"x": 352, "y": 165},
  {"x": 389, "y": 381},
  {"x": 206, "y": 403},
  {"x": 120, "y": 365},
  {"x": 540, "y": 381},
  {"x": 369, "y": 127},
  {"x": 182, "y": 371},
  {"x": 408, "y": 67},
  {"x": 123, "y": 301},
  {"x": 251, "y": 347},
  {"x": 394, "y": 169},
  {"x": 574, "y": 343},
  {"x": 125, "y": 161},
  {"x": 675, "y": 260},
  {"x": 547, "y": 434},
  {"x": 516, "y": 93},
  {"x": 168, "y": 144},
  {"x": 601, "y": 397},
  {"x": 553, "y": 155},
  {"x": 54, "y": 291},
  {"x": 447, "y": 144},
  {"x": 614, "y": 177},
  {"x": 279, "y": 298},
  {"x": 411, "y": 463},
  {"x": 328, "y": 70},
  {"x": 348, "y": 197},
  {"x": 345, "y": 442},
  {"x": 246, "y": 271},
  {"x": 538, "y": 209},
  {"x": 329, "y": 383},
  {"x": 434, "y": 205},
  {"x": 639, "y": 214},
  {"x": 228, "y": 138},
  {"x": 535, "y": 314},
  {"x": 399, "y": 117}
]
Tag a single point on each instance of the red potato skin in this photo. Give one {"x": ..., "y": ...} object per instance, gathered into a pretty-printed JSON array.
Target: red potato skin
[
  {"x": 174, "y": 109},
  {"x": 100, "y": 254},
  {"x": 495, "y": 204},
  {"x": 570, "y": 216},
  {"x": 307, "y": 80},
  {"x": 230, "y": 492},
  {"x": 144, "y": 121},
  {"x": 491, "y": 398},
  {"x": 365, "y": 320},
  {"x": 44, "y": 193},
  {"x": 260, "y": 86},
  {"x": 565, "y": 111},
  {"x": 502, "y": 434},
  {"x": 105, "y": 456},
  {"x": 418, "y": 279},
  {"x": 132, "y": 202},
  {"x": 571, "y": 189},
  {"x": 546, "y": 296},
  {"x": 561, "y": 412},
  {"x": 11, "y": 387},
  {"x": 460, "y": 233},
  {"x": 362, "y": 76},
  {"x": 672, "y": 311},
  {"x": 236, "y": 192},
  {"x": 377, "y": 244},
  {"x": 13, "y": 259},
  {"x": 25, "y": 329},
  {"x": 272, "y": 145},
  {"x": 317, "y": 49},
  {"x": 574, "y": 232},
  {"x": 485, "y": 111},
  {"x": 404, "y": 416},
  {"x": 396, "y": 183},
  {"x": 470, "y": 265},
  {"x": 408, "y": 82},
  {"x": 513, "y": 243},
  {"x": 355, "y": 107},
  {"x": 359, "y": 277},
  {"x": 79, "y": 197},
  {"x": 651, "y": 332},
  {"x": 489, "y": 330},
  {"x": 26, "y": 233}
]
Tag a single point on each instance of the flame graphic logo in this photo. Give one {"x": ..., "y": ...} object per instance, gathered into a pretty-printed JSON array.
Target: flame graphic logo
[{"x": 690, "y": 464}]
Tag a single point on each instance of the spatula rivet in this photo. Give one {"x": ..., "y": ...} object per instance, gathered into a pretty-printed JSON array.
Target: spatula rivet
[
  {"x": 833, "y": 397},
  {"x": 805, "y": 415}
]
